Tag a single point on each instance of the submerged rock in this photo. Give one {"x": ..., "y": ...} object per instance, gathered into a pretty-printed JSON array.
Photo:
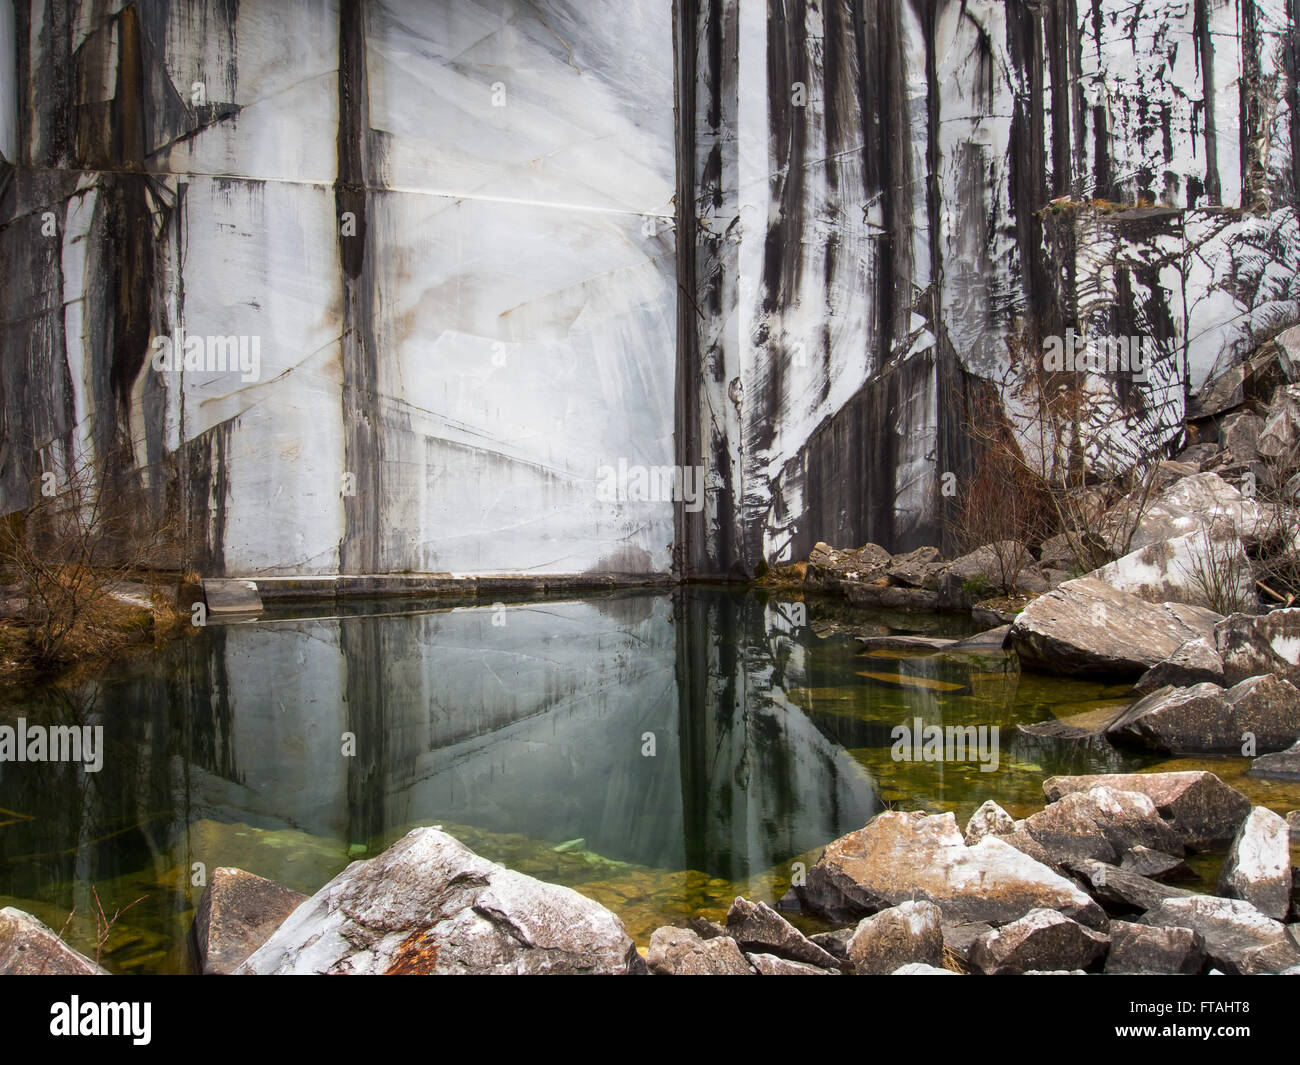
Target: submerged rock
[
  {"x": 29, "y": 948},
  {"x": 899, "y": 857},
  {"x": 906, "y": 933},
  {"x": 680, "y": 952},
  {"x": 1203, "y": 811},
  {"x": 1042, "y": 940},
  {"x": 428, "y": 904},
  {"x": 1087, "y": 627},
  {"x": 237, "y": 914},
  {"x": 1258, "y": 867}
]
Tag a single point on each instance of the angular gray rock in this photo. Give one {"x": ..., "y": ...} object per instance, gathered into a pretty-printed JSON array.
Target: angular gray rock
[
  {"x": 237, "y": 914},
  {"x": 1252, "y": 645},
  {"x": 1258, "y": 866},
  {"x": 681, "y": 952},
  {"x": 1144, "y": 949},
  {"x": 960, "y": 936},
  {"x": 1281, "y": 430},
  {"x": 429, "y": 904},
  {"x": 1100, "y": 823},
  {"x": 231, "y": 597},
  {"x": 1087, "y": 627},
  {"x": 1206, "y": 718},
  {"x": 756, "y": 927},
  {"x": 1187, "y": 506},
  {"x": 989, "y": 820},
  {"x": 994, "y": 568},
  {"x": 835, "y": 943},
  {"x": 906, "y": 933},
  {"x": 988, "y": 641},
  {"x": 1203, "y": 811},
  {"x": 1293, "y": 824},
  {"x": 1116, "y": 888},
  {"x": 917, "y": 968},
  {"x": 1284, "y": 765},
  {"x": 912, "y": 856},
  {"x": 1041, "y": 940},
  {"x": 28, "y": 948},
  {"x": 1179, "y": 569},
  {"x": 771, "y": 965},
  {"x": 1239, "y": 940},
  {"x": 1154, "y": 865},
  {"x": 918, "y": 569},
  {"x": 1195, "y": 662}
]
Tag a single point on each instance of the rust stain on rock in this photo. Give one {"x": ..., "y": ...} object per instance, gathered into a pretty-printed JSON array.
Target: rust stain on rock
[{"x": 417, "y": 956}]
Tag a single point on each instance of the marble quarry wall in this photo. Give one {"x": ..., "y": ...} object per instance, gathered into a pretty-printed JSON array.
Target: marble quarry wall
[{"x": 590, "y": 286}]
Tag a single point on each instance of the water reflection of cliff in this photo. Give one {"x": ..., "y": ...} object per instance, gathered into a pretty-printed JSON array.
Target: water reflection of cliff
[{"x": 534, "y": 719}]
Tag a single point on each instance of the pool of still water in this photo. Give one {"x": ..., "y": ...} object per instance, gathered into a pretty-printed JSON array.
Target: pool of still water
[{"x": 660, "y": 752}]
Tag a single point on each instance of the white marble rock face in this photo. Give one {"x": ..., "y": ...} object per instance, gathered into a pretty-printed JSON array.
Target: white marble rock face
[{"x": 875, "y": 194}]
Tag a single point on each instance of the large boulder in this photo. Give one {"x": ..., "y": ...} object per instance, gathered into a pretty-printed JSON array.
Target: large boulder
[
  {"x": 826, "y": 563},
  {"x": 918, "y": 569},
  {"x": 681, "y": 952},
  {"x": 28, "y": 948},
  {"x": 906, "y": 933},
  {"x": 237, "y": 914},
  {"x": 1007, "y": 566},
  {"x": 1251, "y": 645},
  {"x": 1258, "y": 867},
  {"x": 1042, "y": 940},
  {"x": 429, "y": 904},
  {"x": 902, "y": 856},
  {"x": 1187, "y": 506},
  {"x": 1143, "y": 949},
  {"x": 1239, "y": 940},
  {"x": 1100, "y": 823},
  {"x": 1203, "y": 568},
  {"x": 1087, "y": 627},
  {"x": 1205, "y": 718},
  {"x": 756, "y": 927},
  {"x": 1203, "y": 811}
]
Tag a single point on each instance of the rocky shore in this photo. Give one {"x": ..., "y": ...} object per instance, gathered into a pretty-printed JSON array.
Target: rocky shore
[{"x": 1087, "y": 884}]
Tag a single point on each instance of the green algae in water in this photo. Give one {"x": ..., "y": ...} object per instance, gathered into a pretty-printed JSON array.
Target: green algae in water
[{"x": 660, "y": 752}]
